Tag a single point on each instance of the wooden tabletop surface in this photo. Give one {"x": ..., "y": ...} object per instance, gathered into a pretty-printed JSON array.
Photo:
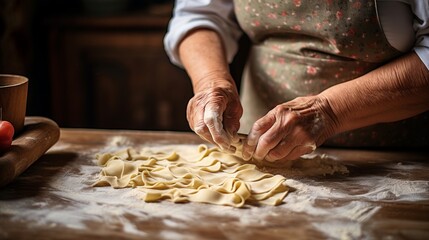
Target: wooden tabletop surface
[{"x": 383, "y": 195}]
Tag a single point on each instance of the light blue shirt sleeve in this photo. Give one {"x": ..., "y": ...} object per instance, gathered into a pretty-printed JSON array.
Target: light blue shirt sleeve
[
  {"x": 406, "y": 25},
  {"x": 217, "y": 15},
  {"x": 421, "y": 27}
]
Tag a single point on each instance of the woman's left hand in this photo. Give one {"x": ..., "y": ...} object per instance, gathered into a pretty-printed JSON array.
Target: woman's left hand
[{"x": 290, "y": 130}]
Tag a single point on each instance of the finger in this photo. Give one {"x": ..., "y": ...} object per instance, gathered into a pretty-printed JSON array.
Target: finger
[
  {"x": 291, "y": 147},
  {"x": 213, "y": 120},
  {"x": 258, "y": 128},
  {"x": 269, "y": 140},
  {"x": 231, "y": 121},
  {"x": 190, "y": 114},
  {"x": 195, "y": 117},
  {"x": 280, "y": 151},
  {"x": 290, "y": 139},
  {"x": 291, "y": 134},
  {"x": 298, "y": 151},
  {"x": 204, "y": 133}
]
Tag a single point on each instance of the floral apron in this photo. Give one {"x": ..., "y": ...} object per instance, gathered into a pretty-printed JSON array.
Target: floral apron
[{"x": 302, "y": 47}]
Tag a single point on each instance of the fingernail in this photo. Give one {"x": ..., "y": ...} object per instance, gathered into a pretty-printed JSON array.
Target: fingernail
[
  {"x": 246, "y": 156},
  {"x": 257, "y": 158},
  {"x": 251, "y": 142},
  {"x": 269, "y": 159}
]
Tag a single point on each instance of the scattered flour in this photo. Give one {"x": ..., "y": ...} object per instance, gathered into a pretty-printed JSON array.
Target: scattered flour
[
  {"x": 343, "y": 212},
  {"x": 309, "y": 165}
]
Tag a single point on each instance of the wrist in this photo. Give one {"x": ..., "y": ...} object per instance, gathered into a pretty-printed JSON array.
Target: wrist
[
  {"x": 214, "y": 79},
  {"x": 327, "y": 120}
]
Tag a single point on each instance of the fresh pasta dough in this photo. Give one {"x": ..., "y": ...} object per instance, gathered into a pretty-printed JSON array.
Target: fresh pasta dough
[{"x": 191, "y": 174}]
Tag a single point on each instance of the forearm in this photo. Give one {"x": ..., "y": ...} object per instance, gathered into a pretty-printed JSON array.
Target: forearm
[
  {"x": 395, "y": 91},
  {"x": 215, "y": 110},
  {"x": 203, "y": 56}
]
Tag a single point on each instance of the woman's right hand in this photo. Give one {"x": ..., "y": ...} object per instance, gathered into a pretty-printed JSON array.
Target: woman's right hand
[{"x": 215, "y": 111}]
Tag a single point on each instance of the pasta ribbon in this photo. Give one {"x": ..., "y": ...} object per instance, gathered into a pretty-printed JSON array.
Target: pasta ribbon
[{"x": 206, "y": 175}]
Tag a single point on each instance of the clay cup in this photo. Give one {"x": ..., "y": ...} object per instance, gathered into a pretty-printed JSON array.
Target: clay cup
[{"x": 13, "y": 100}]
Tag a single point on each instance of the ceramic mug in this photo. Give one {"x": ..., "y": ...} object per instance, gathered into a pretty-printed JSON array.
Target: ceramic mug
[{"x": 13, "y": 100}]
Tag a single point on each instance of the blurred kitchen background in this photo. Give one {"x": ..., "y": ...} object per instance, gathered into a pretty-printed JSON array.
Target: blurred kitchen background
[{"x": 98, "y": 63}]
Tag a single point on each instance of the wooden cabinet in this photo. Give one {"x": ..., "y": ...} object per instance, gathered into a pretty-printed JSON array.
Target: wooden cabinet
[{"x": 113, "y": 72}]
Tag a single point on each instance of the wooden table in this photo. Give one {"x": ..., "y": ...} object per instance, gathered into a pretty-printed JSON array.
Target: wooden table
[{"x": 384, "y": 195}]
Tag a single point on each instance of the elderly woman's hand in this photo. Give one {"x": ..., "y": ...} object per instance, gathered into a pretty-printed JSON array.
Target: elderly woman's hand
[
  {"x": 215, "y": 111},
  {"x": 290, "y": 130}
]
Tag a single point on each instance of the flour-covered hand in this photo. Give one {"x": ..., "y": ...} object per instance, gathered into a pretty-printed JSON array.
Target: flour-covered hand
[
  {"x": 214, "y": 113},
  {"x": 290, "y": 130}
]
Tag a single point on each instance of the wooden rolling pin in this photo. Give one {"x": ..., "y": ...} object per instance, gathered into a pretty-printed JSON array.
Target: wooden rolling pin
[{"x": 38, "y": 135}]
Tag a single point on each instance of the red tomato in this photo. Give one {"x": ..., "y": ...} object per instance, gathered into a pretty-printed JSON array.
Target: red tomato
[{"x": 6, "y": 135}]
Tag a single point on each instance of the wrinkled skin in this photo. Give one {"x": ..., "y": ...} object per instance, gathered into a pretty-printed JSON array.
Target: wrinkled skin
[
  {"x": 394, "y": 91},
  {"x": 214, "y": 113},
  {"x": 287, "y": 132},
  {"x": 290, "y": 130}
]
